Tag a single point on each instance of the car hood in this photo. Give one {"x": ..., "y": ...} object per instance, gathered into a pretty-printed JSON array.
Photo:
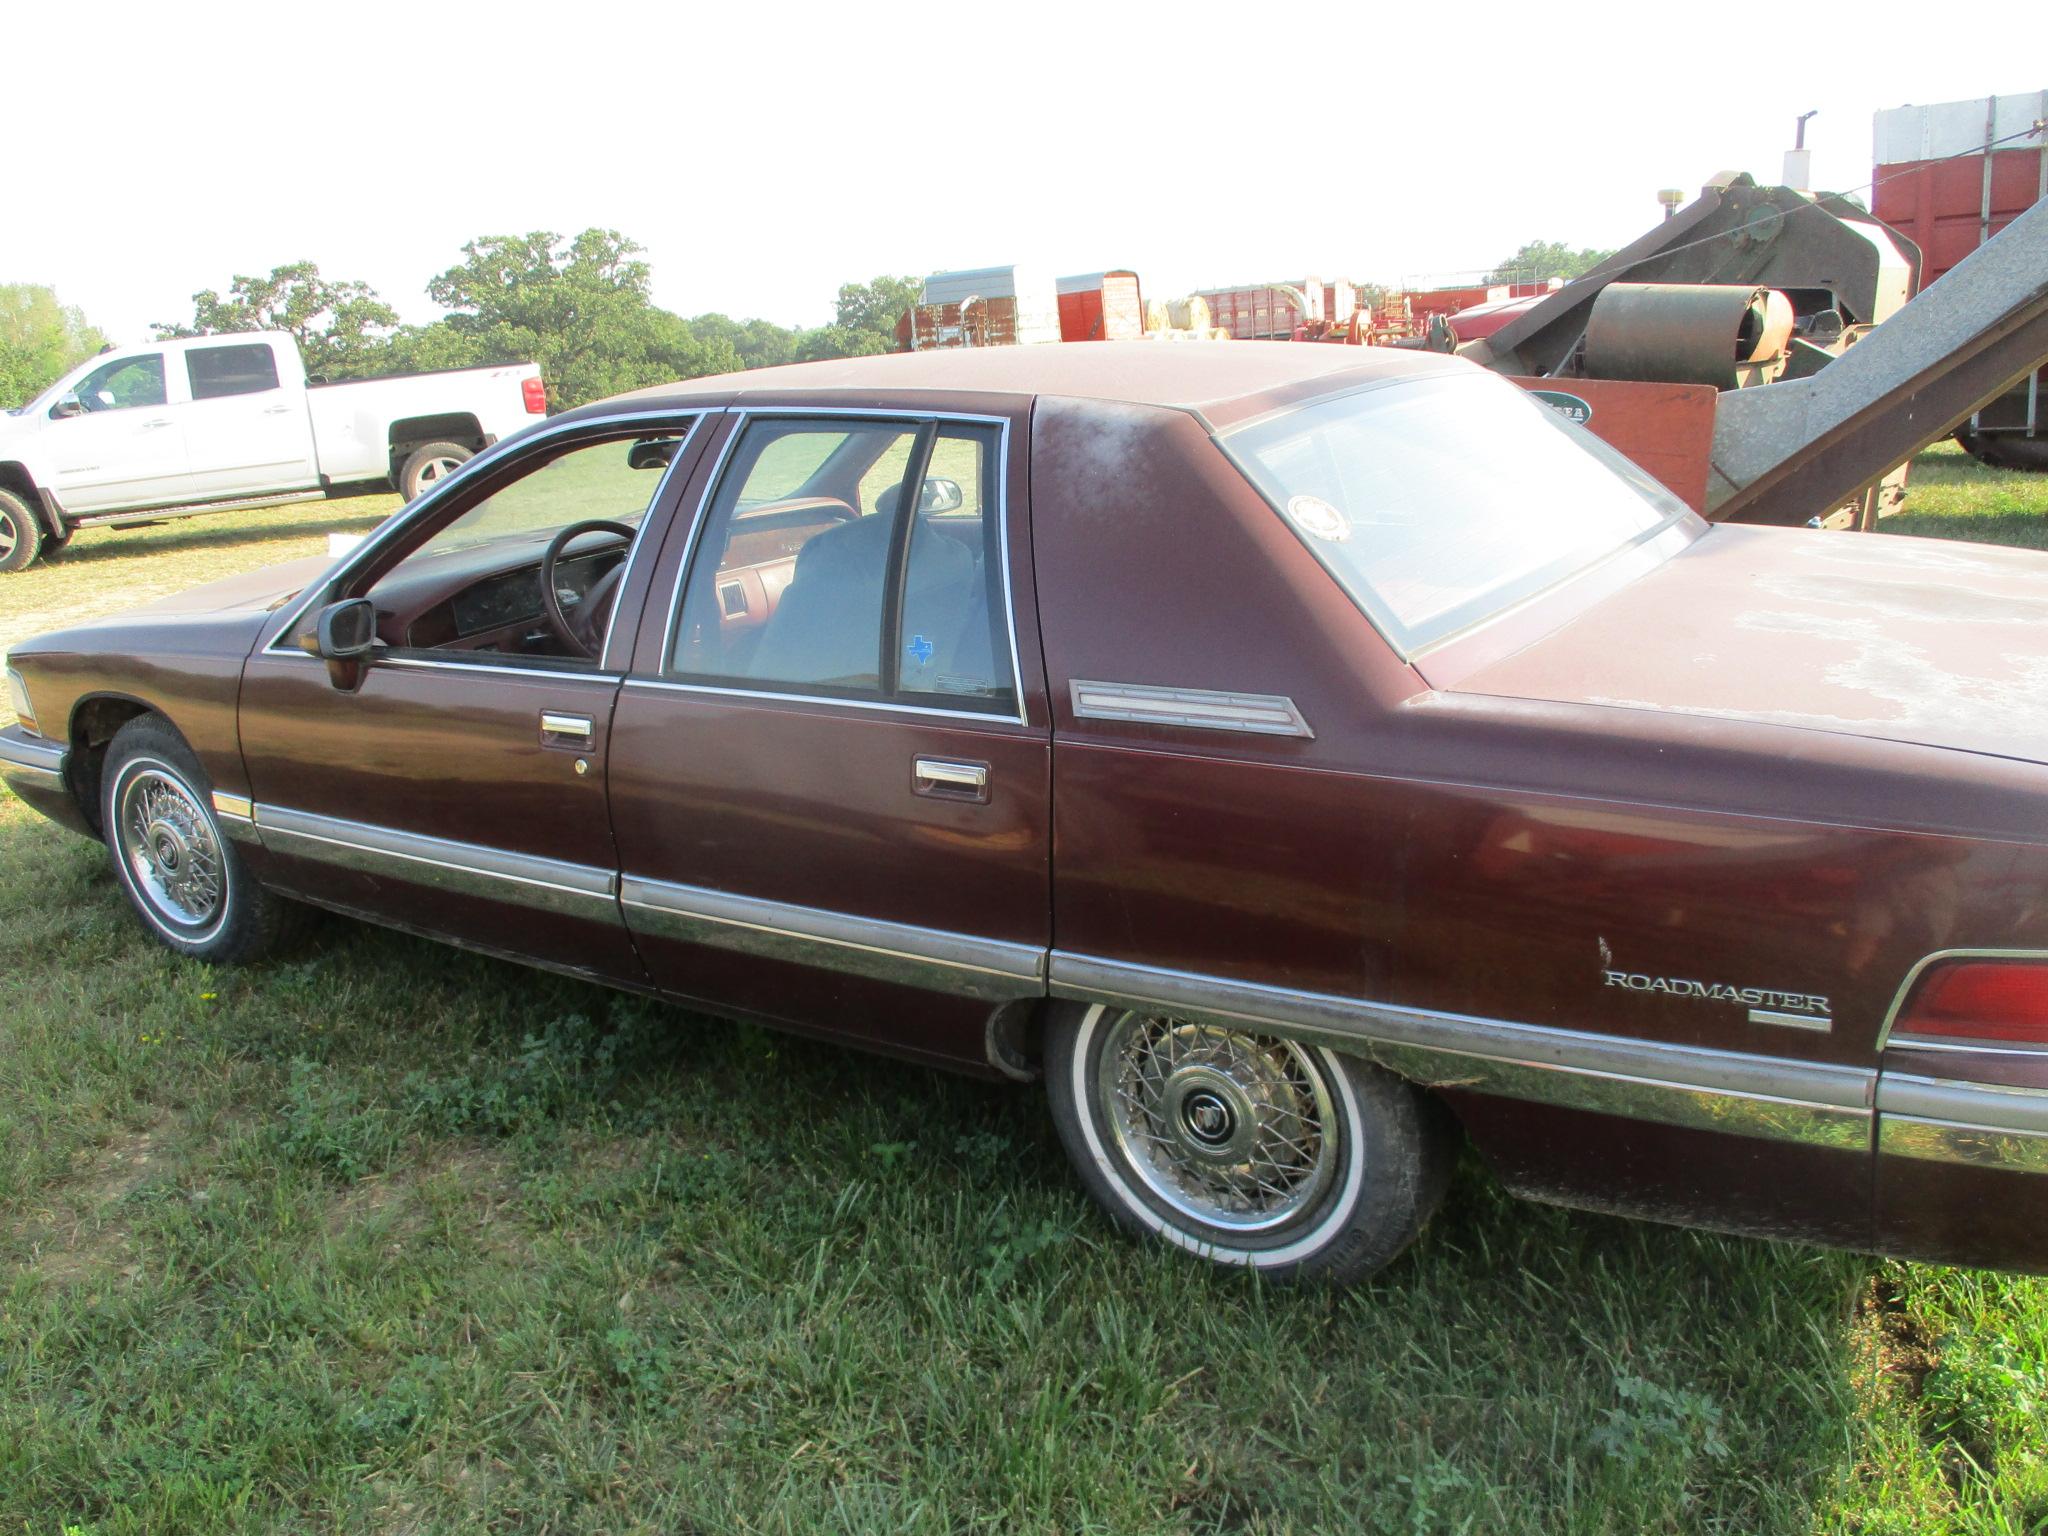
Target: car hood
[
  {"x": 1902, "y": 639},
  {"x": 215, "y": 617}
]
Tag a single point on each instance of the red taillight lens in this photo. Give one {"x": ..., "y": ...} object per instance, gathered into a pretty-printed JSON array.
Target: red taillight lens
[
  {"x": 536, "y": 396},
  {"x": 2004, "y": 1002}
]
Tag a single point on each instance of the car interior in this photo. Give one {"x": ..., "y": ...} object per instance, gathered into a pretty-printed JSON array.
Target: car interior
[
  {"x": 802, "y": 526},
  {"x": 798, "y": 591}
]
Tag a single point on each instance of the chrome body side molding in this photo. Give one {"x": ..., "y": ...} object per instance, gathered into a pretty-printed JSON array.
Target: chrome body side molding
[
  {"x": 1935, "y": 1098},
  {"x": 235, "y": 815},
  {"x": 32, "y": 757},
  {"x": 898, "y": 952},
  {"x": 1972, "y": 1146},
  {"x": 1262, "y": 714},
  {"x": 551, "y": 885},
  {"x": 1691, "y": 1086}
]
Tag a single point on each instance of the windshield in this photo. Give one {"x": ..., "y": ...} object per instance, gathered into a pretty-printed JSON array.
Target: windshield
[{"x": 1439, "y": 503}]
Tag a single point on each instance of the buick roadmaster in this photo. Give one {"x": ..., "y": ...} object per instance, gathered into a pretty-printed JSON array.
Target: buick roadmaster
[{"x": 1300, "y": 758}]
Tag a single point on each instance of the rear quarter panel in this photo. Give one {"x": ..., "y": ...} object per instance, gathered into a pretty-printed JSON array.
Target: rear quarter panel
[{"x": 1491, "y": 858}]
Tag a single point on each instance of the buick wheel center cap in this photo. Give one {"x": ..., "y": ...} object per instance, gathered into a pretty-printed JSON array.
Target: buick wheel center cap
[
  {"x": 169, "y": 847},
  {"x": 1208, "y": 1118}
]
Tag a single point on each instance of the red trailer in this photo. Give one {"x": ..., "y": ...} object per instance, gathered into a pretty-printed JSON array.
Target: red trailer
[
  {"x": 1101, "y": 306},
  {"x": 1949, "y": 177}
]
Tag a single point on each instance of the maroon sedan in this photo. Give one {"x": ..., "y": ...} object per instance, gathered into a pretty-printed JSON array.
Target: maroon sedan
[{"x": 1298, "y": 756}]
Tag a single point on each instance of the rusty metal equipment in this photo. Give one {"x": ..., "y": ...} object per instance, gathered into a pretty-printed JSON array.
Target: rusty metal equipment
[
  {"x": 1783, "y": 450},
  {"x": 1729, "y": 335},
  {"x": 1838, "y": 268},
  {"x": 1746, "y": 286}
]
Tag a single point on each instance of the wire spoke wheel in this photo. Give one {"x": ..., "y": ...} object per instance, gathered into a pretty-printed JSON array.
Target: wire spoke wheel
[
  {"x": 169, "y": 845},
  {"x": 1236, "y": 1130}
]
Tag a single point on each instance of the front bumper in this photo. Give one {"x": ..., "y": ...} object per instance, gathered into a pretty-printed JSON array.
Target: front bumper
[{"x": 34, "y": 768}]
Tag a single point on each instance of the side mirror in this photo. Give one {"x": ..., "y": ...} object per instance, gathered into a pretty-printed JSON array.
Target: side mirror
[
  {"x": 344, "y": 635},
  {"x": 67, "y": 405},
  {"x": 941, "y": 495}
]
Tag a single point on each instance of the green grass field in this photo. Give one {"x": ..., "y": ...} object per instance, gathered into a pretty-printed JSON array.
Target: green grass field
[{"x": 387, "y": 1237}]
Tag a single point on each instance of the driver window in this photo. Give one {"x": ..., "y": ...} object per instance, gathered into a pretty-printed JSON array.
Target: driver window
[
  {"x": 123, "y": 384},
  {"x": 473, "y": 587}
]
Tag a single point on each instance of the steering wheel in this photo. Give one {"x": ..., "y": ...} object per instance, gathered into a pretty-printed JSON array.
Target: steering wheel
[{"x": 583, "y": 633}]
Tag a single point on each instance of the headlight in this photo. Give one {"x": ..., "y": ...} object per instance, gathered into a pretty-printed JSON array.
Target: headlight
[{"x": 22, "y": 708}]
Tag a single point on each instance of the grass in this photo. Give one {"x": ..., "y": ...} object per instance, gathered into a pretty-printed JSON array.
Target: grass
[{"x": 390, "y": 1237}]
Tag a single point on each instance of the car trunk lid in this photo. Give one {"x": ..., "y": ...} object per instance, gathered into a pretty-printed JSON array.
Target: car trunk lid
[{"x": 1902, "y": 639}]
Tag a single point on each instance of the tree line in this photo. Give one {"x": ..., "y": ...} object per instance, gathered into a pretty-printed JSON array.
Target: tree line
[{"x": 579, "y": 307}]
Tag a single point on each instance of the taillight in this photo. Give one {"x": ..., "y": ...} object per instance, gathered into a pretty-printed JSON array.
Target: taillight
[
  {"x": 536, "y": 396},
  {"x": 2000, "y": 1002}
]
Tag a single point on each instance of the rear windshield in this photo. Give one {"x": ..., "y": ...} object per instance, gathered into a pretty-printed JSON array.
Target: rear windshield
[{"x": 1440, "y": 503}]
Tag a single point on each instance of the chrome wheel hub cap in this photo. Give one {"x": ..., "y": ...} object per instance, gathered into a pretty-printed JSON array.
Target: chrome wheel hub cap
[
  {"x": 170, "y": 848},
  {"x": 1230, "y": 1128}
]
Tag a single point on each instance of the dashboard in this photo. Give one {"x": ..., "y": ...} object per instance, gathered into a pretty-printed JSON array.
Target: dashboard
[{"x": 499, "y": 611}]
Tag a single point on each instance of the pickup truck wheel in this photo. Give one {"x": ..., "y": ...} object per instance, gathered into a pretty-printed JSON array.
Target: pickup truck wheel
[
  {"x": 429, "y": 464},
  {"x": 182, "y": 874},
  {"x": 1242, "y": 1148},
  {"x": 21, "y": 533}
]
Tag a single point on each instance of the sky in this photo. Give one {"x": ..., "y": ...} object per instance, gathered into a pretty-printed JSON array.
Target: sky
[{"x": 765, "y": 153}]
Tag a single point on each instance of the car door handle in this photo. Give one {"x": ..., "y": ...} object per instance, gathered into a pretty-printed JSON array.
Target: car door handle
[
  {"x": 161, "y": 421},
  {"x": 945, "y": 779},
  {"x": 562, "y": 730},
  {"x": 277, "y": 410}
]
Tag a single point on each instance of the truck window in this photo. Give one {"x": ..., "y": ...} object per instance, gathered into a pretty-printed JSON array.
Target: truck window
[
  {"x": 123, "y": 384},
  {"x": 248, "y": 368}
]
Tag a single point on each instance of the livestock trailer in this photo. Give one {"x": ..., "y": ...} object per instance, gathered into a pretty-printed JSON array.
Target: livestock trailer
[
  {"x": 1101, "y": 306},
  {"x": 985, "y": 307}
]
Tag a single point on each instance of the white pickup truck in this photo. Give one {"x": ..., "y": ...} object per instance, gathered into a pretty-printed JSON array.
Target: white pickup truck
[{"x": 217, "y": 422}]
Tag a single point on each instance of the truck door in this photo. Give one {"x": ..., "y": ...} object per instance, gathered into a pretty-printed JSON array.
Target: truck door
[
  {"x": 116, "y": 440},
  {"x": 247, "y": 430}
]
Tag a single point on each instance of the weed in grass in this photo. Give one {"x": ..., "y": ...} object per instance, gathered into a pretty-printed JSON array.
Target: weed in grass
[
  {"x": 329, "y": 1122},
  {"x": 1653, "y": 1419}
]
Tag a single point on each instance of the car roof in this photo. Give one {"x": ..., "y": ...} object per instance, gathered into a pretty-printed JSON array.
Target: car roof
[{"x": 1183, "y": 375}]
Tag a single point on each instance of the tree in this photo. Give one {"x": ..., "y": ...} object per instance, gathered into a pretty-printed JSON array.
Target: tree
[
  {"x": 757, "y": 343},
  {"x": 340, "y": 326},
  {"x": 876, "y": 306},
  {"x": 40, "y": 339},
  {"x": 579, "y": 308},
  {"x": 1539, "y": 260},
  {"x": 841, "y": 341}
]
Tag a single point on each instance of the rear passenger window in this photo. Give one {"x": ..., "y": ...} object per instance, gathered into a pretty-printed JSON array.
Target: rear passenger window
[
  {"x": 817, "y": 574},
  {"x": 956, "y": 641},
  {"x": 243, "y": 369}
]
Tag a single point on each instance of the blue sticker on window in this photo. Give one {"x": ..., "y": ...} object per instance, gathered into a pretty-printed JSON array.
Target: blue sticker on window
[{"x": 922, "y": 649}]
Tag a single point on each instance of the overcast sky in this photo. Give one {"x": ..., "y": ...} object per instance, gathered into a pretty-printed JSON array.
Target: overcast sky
[{"x": 765, "y": 158}]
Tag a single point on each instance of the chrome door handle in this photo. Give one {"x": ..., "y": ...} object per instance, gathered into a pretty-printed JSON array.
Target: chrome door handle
[
  {"x": 277, "y": 410},
  {"x": 161, "y": 421},
  {"x": 576, "y": 727},
  {"x": 949, "y": 780}
]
